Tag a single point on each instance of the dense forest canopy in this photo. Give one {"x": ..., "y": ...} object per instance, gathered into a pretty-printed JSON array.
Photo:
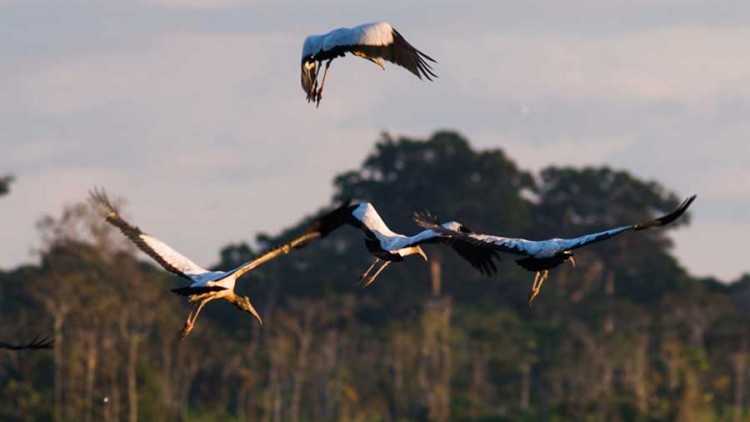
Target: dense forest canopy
[{"x": 626, "y": 335}]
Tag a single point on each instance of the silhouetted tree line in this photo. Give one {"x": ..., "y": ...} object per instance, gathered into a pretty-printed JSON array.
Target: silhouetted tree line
[{"x": 627, "y": 335}]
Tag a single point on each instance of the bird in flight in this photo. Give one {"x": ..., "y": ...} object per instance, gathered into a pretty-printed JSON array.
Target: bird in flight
[
  {"x": 45, "y": 343},
  {"x": 371, "y": 41},
  {"x": 388, "y": 246},
  {"x": 206, "y": 285},
  {"x": 543, "y": 255}
]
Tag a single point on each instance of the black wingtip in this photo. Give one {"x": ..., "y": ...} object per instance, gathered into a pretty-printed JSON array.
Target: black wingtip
[
  {"x": 474, "y": 251},
  {"x": 36, "y": 344},
  {"x": 99, "y": 200},
  {"x": 332, "y": 220},
  {"x": 678, "y": 212},
  {"x": 666, "y": 219},
  {"x": 97, "y": 195},
  {"x": 423, "y": 68},
  {"x": 490, "y": 268},
  {"x": 427, "y": 57},
  {"x": 425, "y": 219},
  {"x": 45, "y": 343}
]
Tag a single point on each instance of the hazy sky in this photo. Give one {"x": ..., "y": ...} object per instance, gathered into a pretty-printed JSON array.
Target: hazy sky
[{"x": 193, "y": 111}]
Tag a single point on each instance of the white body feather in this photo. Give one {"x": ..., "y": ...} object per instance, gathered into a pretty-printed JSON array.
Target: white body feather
[
  {"x": 375, "y": 42},
  {"x": 389, "y": 240},
  {"x": 374, "y": 34},
  {"x": 544, "y": 248},
  {"x": 168, "y": 257},
  {"x": 199, "y": 276}
]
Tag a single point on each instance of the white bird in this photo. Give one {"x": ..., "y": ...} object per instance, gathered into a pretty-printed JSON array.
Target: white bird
[
  {"x": 388, "y": 246},
  {"x": 371, "y": 41},
  {"x": 205, "y": 285},
  {"x": 45, "y": 343},
  {"x": 543, "y": 255}
]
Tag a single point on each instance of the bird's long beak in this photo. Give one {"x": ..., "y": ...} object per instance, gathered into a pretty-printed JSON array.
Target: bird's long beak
[
  {"x": 253, "y": 311},
  {"x": 378, "y": 62},
  {"x": 421, "y": 252},
  {"x": 375, "y": 60}
]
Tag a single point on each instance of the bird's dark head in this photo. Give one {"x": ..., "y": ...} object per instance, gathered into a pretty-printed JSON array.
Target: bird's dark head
[
  {"x": 312, "y": 45},
  {"x": 244, "y": 304},
  {"x": 569, "y": 257}
]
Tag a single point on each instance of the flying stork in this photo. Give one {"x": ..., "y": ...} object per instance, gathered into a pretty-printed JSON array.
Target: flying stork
[
  {"x": 543, "y": 255},
  {"x": 388, "y": 246},
  {"x": 371, "y": 41},
  {"x": 206, "y": 285},
  {"x": 45, "y": 343}
]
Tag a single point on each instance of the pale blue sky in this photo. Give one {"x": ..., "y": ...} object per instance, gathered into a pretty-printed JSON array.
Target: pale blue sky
[{"x": 193, "y": 111}]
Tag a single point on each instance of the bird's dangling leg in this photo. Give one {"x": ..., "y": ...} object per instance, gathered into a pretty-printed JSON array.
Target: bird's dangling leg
[
  {"x": 190, "y": 322},
  {"x": 534, "y": 291},
  {"x": 545, "y": 275},
  {"x": 364, "y": 274},
  {"x": 366, "y": 282},
  {"x": 537, "y": 286},
  {"x": 322, "y": 83},
  {"x": 572, "y": 260}
]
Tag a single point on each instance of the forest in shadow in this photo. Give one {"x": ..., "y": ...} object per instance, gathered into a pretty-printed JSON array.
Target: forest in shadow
[{"x": 627, "y": 335}]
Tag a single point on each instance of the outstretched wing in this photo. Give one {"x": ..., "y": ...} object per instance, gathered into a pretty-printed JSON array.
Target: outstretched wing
[
  {"x": 550, "y": 246},
  {"x": 319, "y": 229},
  {"x": 167, "y": 257},
  {"x": 331, "y": 220},
  {"x": 481, "y": 258},
  {"x": 45, "y": 343},
  {"x": 366, "y": 218},
  {"x": 666, "y": 219},
  {"x": 477, "y": 253},
  {"x": 381, "y": 40},
  {"x": 657, "y": 222},
  {"x": 372, "y": 40},
  {"x": 482, "y": 241}
]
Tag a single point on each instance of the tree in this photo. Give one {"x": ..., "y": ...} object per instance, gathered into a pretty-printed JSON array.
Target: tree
[
  {"x": 483, "y": 189},
  {"x": 576, "y": 201},
  {"x": 5, "y": 184},
  {"x": 661, "y": 346},
  {"x": 102, "y": 301}
]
